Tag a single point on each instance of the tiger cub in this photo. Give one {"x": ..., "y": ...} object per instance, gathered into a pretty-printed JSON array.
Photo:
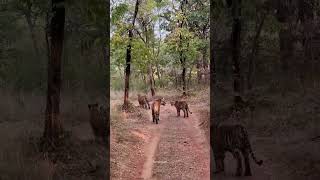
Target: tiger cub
[
  {"x": 233, "y": 139},
  {"x": 143, "y": 101},
  {"x": 181, "y": 105},
  {"x": 155, "y": 109}
]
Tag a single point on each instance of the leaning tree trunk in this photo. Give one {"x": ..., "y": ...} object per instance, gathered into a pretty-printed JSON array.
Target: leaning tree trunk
[
  {"x": 151, "y": 80},
  {"x": 128, "y": 60},
  {"x": 53, "y": 124},
  {"x": 236, "y": 32}
]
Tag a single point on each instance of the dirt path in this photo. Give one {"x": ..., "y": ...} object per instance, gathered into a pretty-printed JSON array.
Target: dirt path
[{"x": 177, "y": 148}]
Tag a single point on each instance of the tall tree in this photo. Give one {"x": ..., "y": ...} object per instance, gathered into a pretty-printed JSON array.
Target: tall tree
[
  {"x": 261, "y": 16},
  {"x": 182, "y": 55},
  {"x": 53, "y": 124},
  {"x": 235, "y": 38},
  {"x": 128, "y": 58}
]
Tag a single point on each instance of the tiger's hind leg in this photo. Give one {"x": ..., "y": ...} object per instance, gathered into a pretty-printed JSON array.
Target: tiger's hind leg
[
  {"x": 157, "y": 118},
  {"x": 219, "y": 161},
  {"x": 184, "y": 113},
  {"x": 237, "y": 156},
  {"x": 246, "y": 163}
]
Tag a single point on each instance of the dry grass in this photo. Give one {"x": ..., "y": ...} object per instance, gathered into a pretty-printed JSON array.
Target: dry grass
[{"x": 126, "y": 139}]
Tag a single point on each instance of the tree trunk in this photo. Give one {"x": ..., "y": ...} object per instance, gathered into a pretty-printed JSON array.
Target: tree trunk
[
  {"x": 127, "y": 73},
  {"x": 254, "y": 51},
  {"x": 199, "y": 71},
  {"x": 212, "y": 86},
  {"x": 151, "y": 80},
  {"x": 33, "y": 34},
  {"x": 53, "y": 124},
  {"x": 236, "y": 32},
  {"x": 183, "y": 74},
  {"x": 306, "y": 15},
  {"x": 128, "y": 60},
  {"x": 158, "y": 72},
  {"x": 190, "y": 76}
]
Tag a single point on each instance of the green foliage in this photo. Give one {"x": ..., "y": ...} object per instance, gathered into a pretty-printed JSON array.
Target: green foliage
[
  {"x": 157, "y": 40},
  {"x": 83, "y": 65}
]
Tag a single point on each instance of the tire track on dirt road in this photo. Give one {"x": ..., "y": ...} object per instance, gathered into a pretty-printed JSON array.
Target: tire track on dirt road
[{"x": 177, "y": 148}]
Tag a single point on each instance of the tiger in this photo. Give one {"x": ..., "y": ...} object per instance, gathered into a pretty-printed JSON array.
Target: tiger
[
  {"x": 98, "y": 121},
  {"x": 233, "y": 139},
  {"x": 181, "y": 105},
  {"x": 143, "y": 101},
  {"x": 155, "y": 109}
]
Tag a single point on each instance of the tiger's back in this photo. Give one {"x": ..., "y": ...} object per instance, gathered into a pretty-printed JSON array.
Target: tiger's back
[
  {"x": 181, "y": 105},
  {"x": 143, "y": 101},
  {"x": 155, "y": 109}
]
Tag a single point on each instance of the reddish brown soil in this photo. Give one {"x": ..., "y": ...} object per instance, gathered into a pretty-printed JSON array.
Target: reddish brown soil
[{"x": 176, "y": 148}]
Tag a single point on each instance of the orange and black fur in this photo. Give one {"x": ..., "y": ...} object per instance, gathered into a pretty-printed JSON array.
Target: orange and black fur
[
  {"x": 233, "y": 139},
  {"x": 155, "y": 108},
  {"x": 143, "y": 101},
  {"x": 181, "y": 105},
  {"x": 98, "y": 120}
]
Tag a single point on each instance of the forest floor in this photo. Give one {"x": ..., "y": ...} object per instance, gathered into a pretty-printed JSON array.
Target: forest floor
[
  {"x": 281, "y": 131},
  {"x": 21, "y": 126},
  {"x": 176, "y": 148}
]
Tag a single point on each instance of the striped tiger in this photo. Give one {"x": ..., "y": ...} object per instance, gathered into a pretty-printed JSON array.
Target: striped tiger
[
  {"x": 233, "y": 139},
  {"x": 181, "y": 105}
]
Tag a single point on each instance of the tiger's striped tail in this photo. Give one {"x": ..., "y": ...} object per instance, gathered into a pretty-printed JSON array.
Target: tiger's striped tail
[
  {"x": 189, "y": 110},
  {"x": 259, "y": 162}
]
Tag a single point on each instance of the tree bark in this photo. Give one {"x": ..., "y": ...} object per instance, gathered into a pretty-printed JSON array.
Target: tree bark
[
  {"x": 183, "y": 74},
  {"x": 128, "y": 59},
  {"x": 33, "y": 34},
  {"x": 236, "y": 32},
  {"x": 306, "y": 15},
  {"x": 151, "y": 81},
  {"x": 53, "y": 124},
  {"x": 190, "y": 76}
]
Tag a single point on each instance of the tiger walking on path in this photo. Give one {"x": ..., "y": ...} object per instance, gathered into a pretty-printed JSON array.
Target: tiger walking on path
[
  {"x": 181, "y": 105},
  {"x": 155, "y": 109}
]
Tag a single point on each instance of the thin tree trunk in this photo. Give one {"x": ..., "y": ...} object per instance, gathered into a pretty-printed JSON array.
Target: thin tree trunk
[
  {"x": 53, "y": 124},
  {"x": 199, "y": 71},
  {"x": 127, "y": 73},
  {"x": 128, "y": 59},
  {"x": 254, "y": 51},
  {"x": 33, "y": 34},
  {"x": 236, "y": 32},
  {"x": 158, "y": 72},
  {"x": 183, "y": 74},
  {"x": 190, "y": 75},
  {"x": 151, "y": 80}
]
